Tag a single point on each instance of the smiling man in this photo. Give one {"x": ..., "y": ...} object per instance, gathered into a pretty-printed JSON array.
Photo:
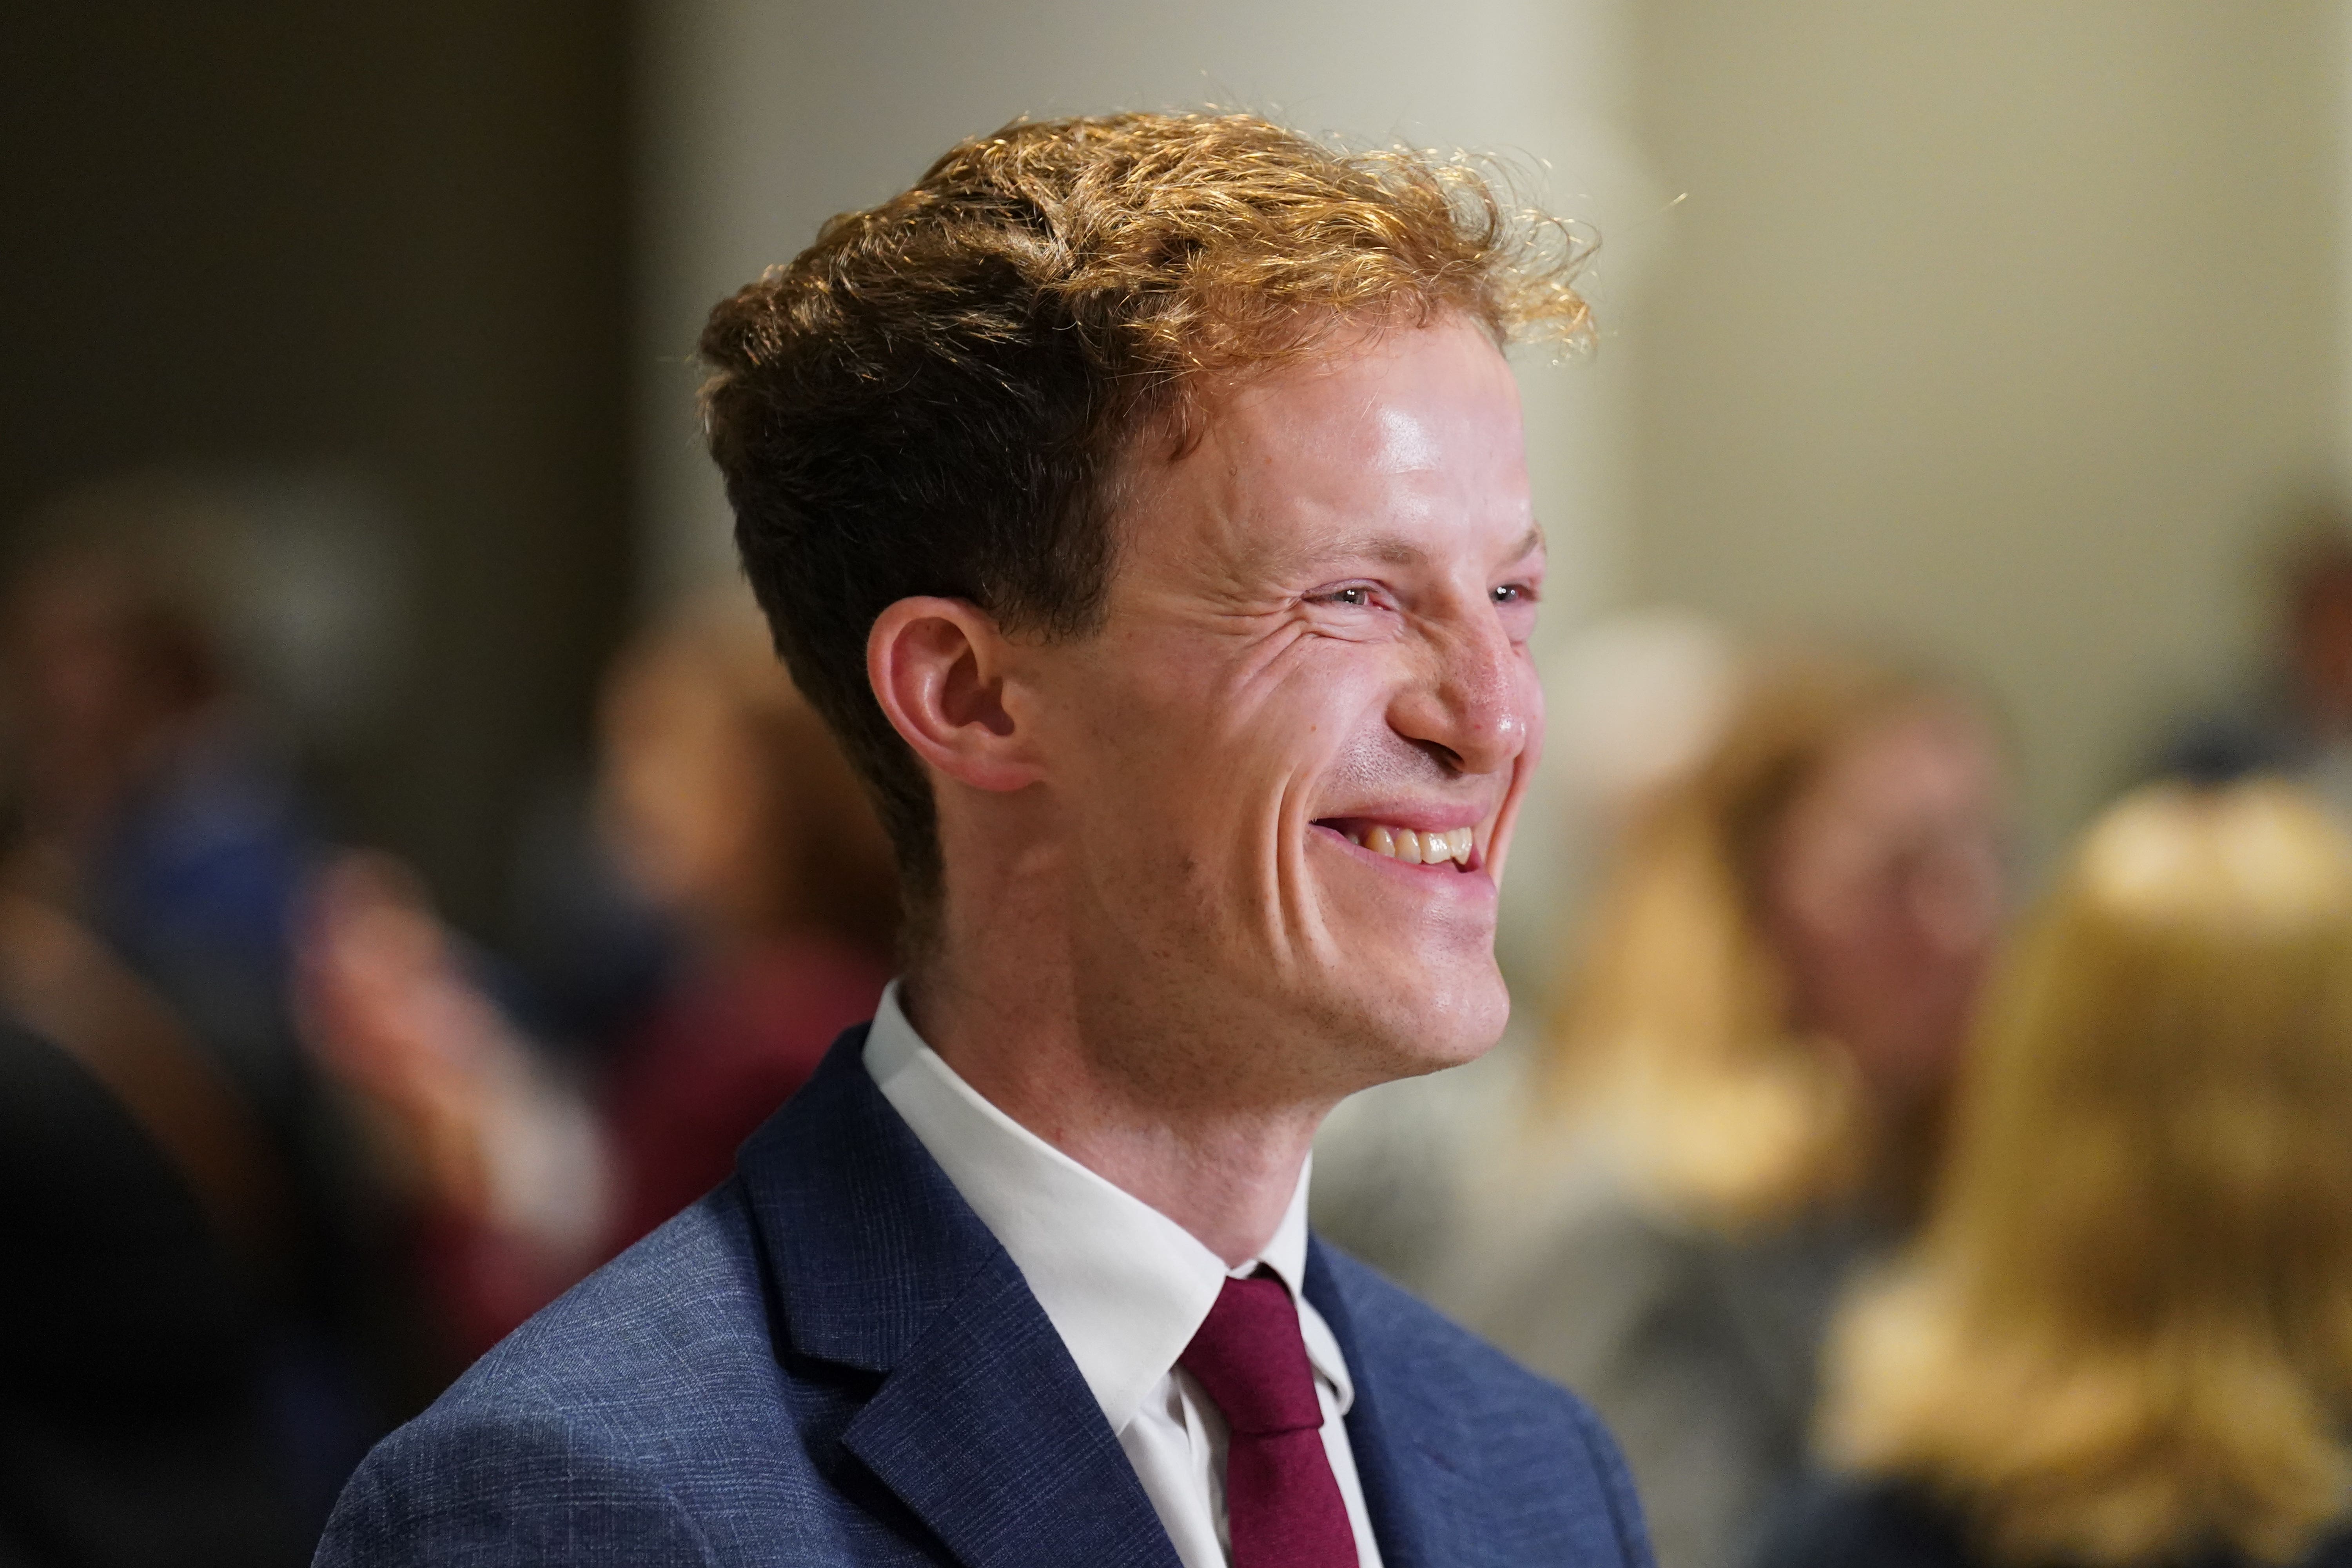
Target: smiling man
[{"x": 1142, "y": 501}]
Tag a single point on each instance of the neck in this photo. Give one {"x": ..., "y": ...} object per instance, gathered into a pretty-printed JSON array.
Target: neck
[{"x": 1122, "y": 1082}]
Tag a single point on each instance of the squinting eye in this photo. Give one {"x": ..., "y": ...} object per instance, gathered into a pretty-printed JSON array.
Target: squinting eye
[
  {"x": 1510, "y": 594},
  {"x": 1358, "y": 597}
]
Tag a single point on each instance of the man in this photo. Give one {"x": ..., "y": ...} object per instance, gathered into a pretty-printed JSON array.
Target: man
[{"x": 1142, "y": 501}]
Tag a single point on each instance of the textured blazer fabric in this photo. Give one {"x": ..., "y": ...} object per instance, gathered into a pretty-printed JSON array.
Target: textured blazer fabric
[{"x": 829, "y": 1361}]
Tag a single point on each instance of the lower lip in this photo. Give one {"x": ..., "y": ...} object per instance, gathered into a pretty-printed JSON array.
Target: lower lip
[{"x": 1442, "y": 880}]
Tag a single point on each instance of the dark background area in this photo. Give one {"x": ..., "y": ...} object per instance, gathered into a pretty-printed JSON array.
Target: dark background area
[{"x": 388, "y": 243}]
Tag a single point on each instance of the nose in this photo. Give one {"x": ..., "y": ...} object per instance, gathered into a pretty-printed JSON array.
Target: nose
[{"x": 1475, "y": 703}]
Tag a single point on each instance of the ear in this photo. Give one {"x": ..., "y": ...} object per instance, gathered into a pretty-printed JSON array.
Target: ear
[{"x": 937, "y": 667}]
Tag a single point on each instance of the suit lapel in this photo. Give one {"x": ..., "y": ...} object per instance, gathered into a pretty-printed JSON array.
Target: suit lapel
[
  {"x": 981, "y": 1423},
  {"x": 1424, "y": 1511},
  {"x": 988, "y": 1432}
]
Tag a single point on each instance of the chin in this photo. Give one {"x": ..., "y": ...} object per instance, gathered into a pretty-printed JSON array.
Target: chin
[{"x": 1410, "y": 1031}]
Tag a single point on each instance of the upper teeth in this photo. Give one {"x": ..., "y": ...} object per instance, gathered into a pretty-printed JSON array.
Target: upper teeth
[{"x": 1418, "y": 849}]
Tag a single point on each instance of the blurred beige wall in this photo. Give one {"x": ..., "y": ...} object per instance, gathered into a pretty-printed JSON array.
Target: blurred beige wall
[
  {"x": 2000, "y": 330},
  {"x": 1992, "y": 331}
]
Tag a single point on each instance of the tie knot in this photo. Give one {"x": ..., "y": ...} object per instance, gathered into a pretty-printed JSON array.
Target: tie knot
[{"x": 1252, "y": 1361}]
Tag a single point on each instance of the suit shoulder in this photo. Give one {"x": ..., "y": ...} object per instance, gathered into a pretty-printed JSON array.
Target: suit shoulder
[
  {"x": 656, "y": 1334},
  {"x": 643, "y": 1417},
  {"x": 473, "y": 1490},
  {"x": 1536, "y": 1446},
  {"x": 1390, "y": 1319},
  {"x": 629, "y": 1407}
]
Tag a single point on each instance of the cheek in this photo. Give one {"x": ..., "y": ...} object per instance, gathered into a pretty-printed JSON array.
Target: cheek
[{"x": 1187, "y": 741}]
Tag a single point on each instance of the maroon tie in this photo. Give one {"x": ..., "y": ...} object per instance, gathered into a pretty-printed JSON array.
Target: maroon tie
[{"x": 1282, "y": 1504}]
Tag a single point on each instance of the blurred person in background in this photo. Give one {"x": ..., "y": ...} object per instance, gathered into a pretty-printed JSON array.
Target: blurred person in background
[
  {"x": 731, "y": 813},
  {"x": 144, "y": 1214},
  {"x": 1740, "y": 1100},
  {"x": 156, "y": 799},
  {"x": 2300, "y": 723},
  {"x": 197, "y": 1359},
  {"x": 2125, "y": 1334}
]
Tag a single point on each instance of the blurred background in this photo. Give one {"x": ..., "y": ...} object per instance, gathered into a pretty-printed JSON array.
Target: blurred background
[
  {"x": 352, "y": 500},
  {"x": 2013, "y": 335}
]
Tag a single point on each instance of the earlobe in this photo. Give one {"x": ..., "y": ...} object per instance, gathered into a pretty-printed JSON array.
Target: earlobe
[{"x": 938, "y": 667}]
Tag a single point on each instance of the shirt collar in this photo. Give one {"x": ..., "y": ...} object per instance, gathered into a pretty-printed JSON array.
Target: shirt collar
[{"x": 1124, "y": 1286}]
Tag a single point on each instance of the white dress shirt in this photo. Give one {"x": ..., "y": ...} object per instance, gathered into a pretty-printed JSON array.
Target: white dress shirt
[{"x": 1124, "y": 1286}]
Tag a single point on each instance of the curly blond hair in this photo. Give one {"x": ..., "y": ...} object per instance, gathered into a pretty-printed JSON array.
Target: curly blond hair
[
  {"x": 935, "y": 398},
  {"x": 2125, "y": 1333}
]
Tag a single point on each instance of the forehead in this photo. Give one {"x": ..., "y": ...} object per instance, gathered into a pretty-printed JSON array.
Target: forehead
[{"x": 1407, "y": 442}]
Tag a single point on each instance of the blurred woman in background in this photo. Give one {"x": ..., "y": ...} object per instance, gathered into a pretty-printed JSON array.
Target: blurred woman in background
[
  {"x": 1743, "y": 1092},
  {"x": 201, "y": 1334},
  {"x": 2126, "y": 1334},
  {"x": 145, "y": 1220},
  {"x": 728, "y": 808}
]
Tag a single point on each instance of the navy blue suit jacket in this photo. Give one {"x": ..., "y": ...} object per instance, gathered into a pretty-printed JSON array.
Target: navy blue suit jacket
[{"x": 831, "y": 1361}]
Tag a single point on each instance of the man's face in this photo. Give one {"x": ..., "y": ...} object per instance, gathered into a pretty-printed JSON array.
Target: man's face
[{"x": 1284, "y": 773}]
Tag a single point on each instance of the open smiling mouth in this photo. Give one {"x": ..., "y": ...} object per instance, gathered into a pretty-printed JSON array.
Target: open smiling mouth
[{"x": 1455, "y": 848}]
